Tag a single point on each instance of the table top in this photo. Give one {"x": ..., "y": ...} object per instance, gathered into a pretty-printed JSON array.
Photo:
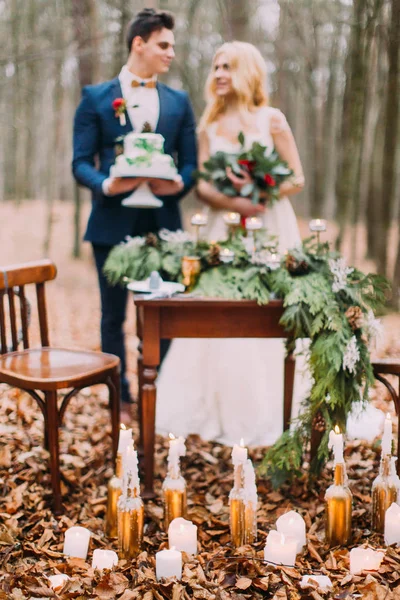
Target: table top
[{"x": 190, "y": 301}]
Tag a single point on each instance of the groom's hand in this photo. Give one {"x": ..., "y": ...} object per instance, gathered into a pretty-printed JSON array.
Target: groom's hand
[
  {"x": 246, "y": 208},
  {"x": 164, "y": 187},
  {"x": 122, "y": 185}
]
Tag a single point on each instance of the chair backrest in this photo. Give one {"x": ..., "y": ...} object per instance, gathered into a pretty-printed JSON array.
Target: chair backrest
[{"x": 13, "y": 279}]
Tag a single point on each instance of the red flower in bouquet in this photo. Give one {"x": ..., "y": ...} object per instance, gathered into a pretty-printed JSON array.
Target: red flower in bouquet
[
  {"x": 119, "y": 106},
  {"x": 248, "y": 164},
  {"x": 269, "y": 180}
]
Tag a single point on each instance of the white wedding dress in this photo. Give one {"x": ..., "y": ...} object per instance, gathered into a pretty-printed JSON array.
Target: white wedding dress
[{"x": 228, "y": 389}]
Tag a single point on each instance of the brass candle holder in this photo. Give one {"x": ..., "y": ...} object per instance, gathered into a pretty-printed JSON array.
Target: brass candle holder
[
  {"x": 237, "y": 509},
  {"x": 114, "y": 492},
  {"x": 175, "y": 499},
  {"x": 250, "y": 493},
  {"x": 384, "y": 493},
  {"x": 130, "y": 525},
  {"x": 191, "y": 267},
  {"x": 338, "y": 499}
]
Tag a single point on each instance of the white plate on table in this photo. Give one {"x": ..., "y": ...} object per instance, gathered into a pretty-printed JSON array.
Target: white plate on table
[{"x": 167, "y": 287}]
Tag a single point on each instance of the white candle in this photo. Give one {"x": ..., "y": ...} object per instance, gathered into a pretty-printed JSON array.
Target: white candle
[
  {"x": 125, "y": 438},
  {"x": 292, "y": 524},
  {"x": 323, "y": 581},
  {"x": 387, "y": 436},
  {"x": 226, "y": 255},
  {"x": 336, "y": 442},
  {"x": 57, "y": 581},
  {"x": 273, "y": 262},
  {"x": 177, "y": 449},
  {"x": 232, "y": 218},
  {"x": 392, "y": 525},
  {"x": 169, "y": 564},
  {"x": 199, "y": 219},
  {"x": 182, "y": 535},
  {"x": 365, "y": 559},
  {"x": 280, "y": 550},
  {"x": 317, "y": 225},
  {"x": 104, "y": 559},
  {"x": 239, "y": 454},
  {"x": 76, "y": 542},
  {"x": 253, "y": 223}
]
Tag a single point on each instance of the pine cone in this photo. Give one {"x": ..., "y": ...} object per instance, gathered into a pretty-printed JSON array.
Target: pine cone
[
  {"x": 151, "y": 240},
  {"x": 319, "y": 423},
  {"x": 355, "y": 317},
  {"x": 147, "y": 127},
  {"x": 294, "y": 266},
  {"x": 213, "y": 255}
]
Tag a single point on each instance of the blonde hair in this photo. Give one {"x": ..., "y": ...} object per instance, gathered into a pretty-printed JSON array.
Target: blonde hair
[{"x": 249, "y": 74}]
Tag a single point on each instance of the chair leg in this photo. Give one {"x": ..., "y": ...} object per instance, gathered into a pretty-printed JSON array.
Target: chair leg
[
  {"x": 52, "y": 437},
  {"x": 114, "y": 388}
]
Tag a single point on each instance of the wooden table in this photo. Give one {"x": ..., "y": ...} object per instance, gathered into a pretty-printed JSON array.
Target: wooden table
[{"x": 185, "y": 317}]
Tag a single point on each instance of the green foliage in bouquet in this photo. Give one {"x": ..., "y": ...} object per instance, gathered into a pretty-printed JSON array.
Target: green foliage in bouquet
[
  {"x": 265, "y": 167},
  {"x": 325, "y": 302}
]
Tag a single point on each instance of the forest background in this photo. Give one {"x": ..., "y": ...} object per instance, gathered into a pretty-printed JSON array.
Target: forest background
[{"x": 334, "y": 70}]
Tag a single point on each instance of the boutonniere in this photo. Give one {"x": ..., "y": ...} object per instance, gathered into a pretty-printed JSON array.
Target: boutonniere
[{"x": 119, "y": 106}]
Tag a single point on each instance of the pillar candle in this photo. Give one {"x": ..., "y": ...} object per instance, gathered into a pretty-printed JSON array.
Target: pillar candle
[
  {"x": 392, "y": 525},
  {"x": 182, "y": 535},
  {"x": 169, "y": 564},
  {"x": 104, "y": 559},
  {"x": 76, "y": 542},
  {"x": 292, "y": 524},
  {"x": 253, "y": 223},
  {"x": 125, "y": 438},
  {"x": 365, "y": 559},
  {"x": 239, "y": 454},
  {"x": 280, "y": 550},
  {"x": 336, "y": 442}
]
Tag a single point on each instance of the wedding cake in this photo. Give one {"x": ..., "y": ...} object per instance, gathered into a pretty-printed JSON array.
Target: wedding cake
[{"x": 143, "y": 156}]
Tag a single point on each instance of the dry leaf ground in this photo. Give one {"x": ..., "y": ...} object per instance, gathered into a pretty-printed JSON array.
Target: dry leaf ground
[{"x": 31, "y": 538}]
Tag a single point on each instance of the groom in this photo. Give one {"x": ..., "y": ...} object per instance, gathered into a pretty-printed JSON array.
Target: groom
[{"x": 150, "y": 41}]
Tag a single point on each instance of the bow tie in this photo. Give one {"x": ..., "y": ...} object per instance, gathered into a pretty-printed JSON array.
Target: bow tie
[{"x": 148, "y": 84}]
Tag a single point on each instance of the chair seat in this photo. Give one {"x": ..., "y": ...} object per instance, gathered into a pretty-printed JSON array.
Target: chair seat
[
  {"x": 53, "y": 368},
  {"x": 389, "y": 366}
]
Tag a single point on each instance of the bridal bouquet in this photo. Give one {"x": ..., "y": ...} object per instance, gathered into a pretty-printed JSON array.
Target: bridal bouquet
[{"x": 266, "y": 169}]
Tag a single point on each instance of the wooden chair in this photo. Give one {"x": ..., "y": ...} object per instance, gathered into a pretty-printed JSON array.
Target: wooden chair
[
  {"x": 390, "y": 366},
  {"x": 41, "y": 372}
]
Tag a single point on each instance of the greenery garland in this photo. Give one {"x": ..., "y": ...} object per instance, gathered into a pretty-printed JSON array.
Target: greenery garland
[{"x": 324, "y": 300}]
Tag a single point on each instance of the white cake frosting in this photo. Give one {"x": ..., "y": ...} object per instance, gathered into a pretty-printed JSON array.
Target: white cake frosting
[{"x": 143, "y": 156}]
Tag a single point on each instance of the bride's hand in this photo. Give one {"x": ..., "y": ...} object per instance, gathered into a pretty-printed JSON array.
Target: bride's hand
[
  {"x": 246, "y": 208},
  {"x": 238, "y": 182}
]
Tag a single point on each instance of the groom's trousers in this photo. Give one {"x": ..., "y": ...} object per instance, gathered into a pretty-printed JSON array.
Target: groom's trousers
[{"x": 113, "y": 311}]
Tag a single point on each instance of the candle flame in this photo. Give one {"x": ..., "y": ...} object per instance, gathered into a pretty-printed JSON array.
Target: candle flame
[
  {"x": 241, "y": 443},
  {"x": 171, "y": 436},
  {"x": 337, "y": 430},
  {"x": 122, "y": 427}
]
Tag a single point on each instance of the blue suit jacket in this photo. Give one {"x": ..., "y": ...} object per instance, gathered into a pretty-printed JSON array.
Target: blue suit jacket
[{"x": 95, "y": 131}]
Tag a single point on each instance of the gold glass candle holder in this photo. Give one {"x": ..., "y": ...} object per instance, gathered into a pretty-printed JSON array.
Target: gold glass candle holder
[
  {"x": 175, "y": 499},
  {"x": 191, "y": 267},
  {"x": 250, "y": 523},
  {"x": 130, "y": 527},
  {"x": 237, "y": 508},
  {"x": 338, "y": 499},
  {"x": 114, "y": 492},
  {"x": 384, "y": 493}
]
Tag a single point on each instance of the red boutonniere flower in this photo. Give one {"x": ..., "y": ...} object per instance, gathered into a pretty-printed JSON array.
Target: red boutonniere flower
[
  {"x": 119, "y": 106},
  {"x": 269, "y": 180}
]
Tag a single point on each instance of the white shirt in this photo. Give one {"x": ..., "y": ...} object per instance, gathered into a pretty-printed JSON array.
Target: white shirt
[{"x": 142, "y": 104}]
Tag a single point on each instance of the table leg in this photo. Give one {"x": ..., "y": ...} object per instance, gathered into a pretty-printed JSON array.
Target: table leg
[{"x": 290, "y": 365}]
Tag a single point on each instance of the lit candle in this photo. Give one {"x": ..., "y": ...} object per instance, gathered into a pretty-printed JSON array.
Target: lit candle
[
  {"x": 125, "y": 438},
  {"x": 177, "y": 449},
  {"x": 104, "y": 559},
  {"x": 280, "y": 550},
  {"x": 239, "y": 454},
  {"x": 182, "y": 535},
  {"x": 226, "y": 255},
  {"x": 199, "y": 219},
  {"x": 253, "y": 223},
  {"x": 58, "y": 581},
  {"x": 292, "y": 524},
  {"x": 317, "y": 225},
  {"x": 387, "y": 435},
  {"x": 76, "y": 542},
  {"x": 365, "y": 559},
  {"x": 336, "y": 442},
  {"x": 169, "y": 564},
  {"x": 392, "y": 525},
  {"x": 273, "y": 262},
  {"x": 323, "y": 581},
  {"x": 232, "y": 218}
]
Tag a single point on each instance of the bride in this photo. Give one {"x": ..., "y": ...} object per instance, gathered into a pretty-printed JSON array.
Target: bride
[{"x": 227, "y": 389}]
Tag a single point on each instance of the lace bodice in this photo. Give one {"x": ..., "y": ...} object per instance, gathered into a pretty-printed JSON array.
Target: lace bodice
[{"x": 269, "y": 121}]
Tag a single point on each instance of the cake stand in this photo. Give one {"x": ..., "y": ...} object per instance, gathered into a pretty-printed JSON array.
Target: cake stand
[{"x": 142, "y": 196}]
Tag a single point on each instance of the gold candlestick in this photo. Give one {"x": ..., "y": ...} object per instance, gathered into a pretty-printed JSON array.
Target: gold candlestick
[
  {"x": 113, "y": 494},
  {"x": 175, "y": 500},
  {"x": 384, "y": 493},
  {"x": 237, "y": 508},
  {"x": 338, "y": 499},
  {"x": 130, "y": 525}
]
